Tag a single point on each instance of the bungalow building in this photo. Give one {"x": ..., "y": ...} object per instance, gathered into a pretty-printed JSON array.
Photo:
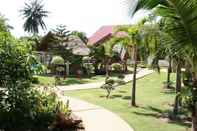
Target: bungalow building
[{"x": 103, "y": 34}]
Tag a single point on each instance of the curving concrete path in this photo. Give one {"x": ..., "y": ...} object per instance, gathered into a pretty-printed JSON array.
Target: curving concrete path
[
  {"x": 95, "y": 118},
  {"x": 141, "y": 73}
]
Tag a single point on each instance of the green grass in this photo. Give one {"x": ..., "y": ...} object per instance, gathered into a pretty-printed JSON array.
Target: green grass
[
  {"x": 46, "y": 80},
  {"x": 50, "y": 80},
  {"x": 150, "y": 98}
]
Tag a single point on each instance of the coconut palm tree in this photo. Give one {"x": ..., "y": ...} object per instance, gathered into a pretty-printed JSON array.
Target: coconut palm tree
[
  {"x": 140, "y": 43},
  {"x": 165, "y": 50},
  {"x": 132, "y": 40},
  {"x": 182, "y": 27},
  {"x": 4, "y": 27},
  {"x": 157, "y": 30},
  {"x": 34, "y": 13},
  {"x": 134, "y": 35}
]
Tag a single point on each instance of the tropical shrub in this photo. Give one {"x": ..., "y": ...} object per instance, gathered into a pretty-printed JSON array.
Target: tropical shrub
[
  {"x": 58, "y": 81},
  {"x": 22, "y": 108},
  {"x": 64, "y": 119},
  {"x": 168, "y": 85},
  {"x": 97, "y": 54},
  {"x": 57, "y": 63},
  {"x": 57, "y": 60},
  {"x": 108, "y": 86},
  {"x": 18, "y": 101},
  {"x": 117, "y": 67},
  {"x": 35, "y": 80},
  {"x": 188, "y": 95}
]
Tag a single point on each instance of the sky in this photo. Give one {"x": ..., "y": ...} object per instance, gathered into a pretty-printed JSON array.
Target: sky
[{"x": 82, "y": 15}]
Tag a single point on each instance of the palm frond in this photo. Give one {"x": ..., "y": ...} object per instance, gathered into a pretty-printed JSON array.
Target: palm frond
[
  {"x": 33, "y": 13},
  {"x": 182, "y": 22},
  {"x": 147, "y": 5}
]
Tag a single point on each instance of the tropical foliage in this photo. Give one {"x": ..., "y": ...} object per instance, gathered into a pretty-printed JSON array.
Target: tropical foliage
[
  {"x": 22, "y": 106},
  {"x": 181, "y": 25},
  {"x": 57, "y": 60},
  {"x": 34, "y": 13},
  {"x": 17, "y": 99},
  {"x": 81, "y": 35},
  {"x": 136, "y": 41},
  {"x": 4, "y": 27}
]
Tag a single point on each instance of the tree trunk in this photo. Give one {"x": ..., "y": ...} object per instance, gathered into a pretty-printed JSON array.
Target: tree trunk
[
  {"x": 194, "y": 118},
  {"x": 169, "y": 72},
  {"x": 125, "y": 66},
  {"x": 133, "y": 94},
  {"x": 108, "y": 94},
  {"x": 194, "y": 112},
  {"x": 107, "y": 67},
  {"x": 95, "y": 67},
  {"x": 178, "y": 89}
]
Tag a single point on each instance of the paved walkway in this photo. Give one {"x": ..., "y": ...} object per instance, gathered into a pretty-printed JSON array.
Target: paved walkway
[
  {"x": 141, "y": 73},
  {"x": 95, "y": 118}
]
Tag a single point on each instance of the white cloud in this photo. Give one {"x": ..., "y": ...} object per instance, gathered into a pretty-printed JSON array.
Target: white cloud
[{"x": 82, "y": 15}]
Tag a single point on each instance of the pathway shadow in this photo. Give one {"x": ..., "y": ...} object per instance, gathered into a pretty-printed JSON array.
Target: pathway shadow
[
  {"x": 115, "y": 96},
  {"x": 102, "y": 96},
  {"x": 122, "y": 92},
  {"x": 112, "y": 96},
  {"x": 166, "y": 115},
  {"x": 72, "y": 81},
  {"x": 169, "y": 91},
  {"x": 126, "y": 97}
]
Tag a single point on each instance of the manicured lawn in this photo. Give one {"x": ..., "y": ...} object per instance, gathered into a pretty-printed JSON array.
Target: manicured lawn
[
  {"x": 151, "y": 99},
  {"x": 50, "y": 80},
  {"x": 46, "y": 80}
]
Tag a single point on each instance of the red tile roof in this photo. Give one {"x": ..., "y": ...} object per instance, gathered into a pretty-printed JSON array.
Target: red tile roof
[
  {"x": 99, "y": 35},
  {"x": 103, "y": 33}
]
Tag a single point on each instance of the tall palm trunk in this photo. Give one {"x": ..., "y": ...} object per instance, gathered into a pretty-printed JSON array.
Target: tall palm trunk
[
  {"x": 194, "y": 112},
  {"x": 169, "y": 72},
  {"x": 125, "y": 69},
  {"x": 133, "y": 94},
  {"x": 194, "y": 118},
  {"x": 178, "y": 89},
  {"x": 107, "y": 67}
]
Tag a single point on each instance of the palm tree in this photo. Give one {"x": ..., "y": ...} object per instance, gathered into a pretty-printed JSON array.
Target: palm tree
[
  {"x": 137, "y": 41},
  {"x": 182, "y": 27},
  {"x": 4, "y": 27},
  {"x": 34, "y": 13},
  {"x": 108, "y": 45},
  {"x": 165, "y": 50},
  {"x": 132, "y": 40}
]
